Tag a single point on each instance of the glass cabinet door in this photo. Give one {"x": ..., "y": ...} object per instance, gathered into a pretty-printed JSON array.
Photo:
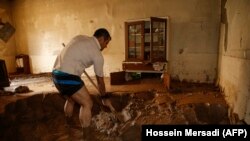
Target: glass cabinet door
[
  {"x": 158, "y": 39},
  {"x": 147, "y": 42},
  {"x": 134, "y": 41}
]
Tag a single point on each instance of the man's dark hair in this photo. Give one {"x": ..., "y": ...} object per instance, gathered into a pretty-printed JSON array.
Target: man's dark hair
[{"x": 102, "y": 32}]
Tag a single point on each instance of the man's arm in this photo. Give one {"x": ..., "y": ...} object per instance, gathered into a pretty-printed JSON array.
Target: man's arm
[{"x": 101, "y": 85}]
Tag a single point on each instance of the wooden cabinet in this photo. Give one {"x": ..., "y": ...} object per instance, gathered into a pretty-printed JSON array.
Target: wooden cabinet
[
  {"x": 145, "y": 43},
  {"x": 22, "y": 64},
  {"x": 4, "y": 79}
]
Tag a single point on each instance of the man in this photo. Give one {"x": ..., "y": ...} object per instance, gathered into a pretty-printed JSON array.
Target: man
[{"x": 80, "y": 53}]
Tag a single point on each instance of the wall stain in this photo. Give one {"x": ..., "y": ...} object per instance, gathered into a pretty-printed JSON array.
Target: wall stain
[{"x": 181, "y": 51}]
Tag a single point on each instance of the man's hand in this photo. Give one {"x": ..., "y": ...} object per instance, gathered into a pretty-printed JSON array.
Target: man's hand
[
  {"x": 107, "y": 102},
  {"x": 101, "y": 85}
]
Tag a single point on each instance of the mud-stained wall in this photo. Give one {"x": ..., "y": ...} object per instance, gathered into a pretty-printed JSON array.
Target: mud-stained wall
[
  {"x": 7, "y": 49},
  {"x": 42, "y": 27},
  {"x": 234, "y": 56},
  {"x": 194, "y": 41}
]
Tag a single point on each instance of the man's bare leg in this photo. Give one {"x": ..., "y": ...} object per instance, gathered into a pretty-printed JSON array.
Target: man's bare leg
[
  {"x": 69, "y": 107},
  {"x": 83, "y": 98},
  {"x": 68, "y": 111}
]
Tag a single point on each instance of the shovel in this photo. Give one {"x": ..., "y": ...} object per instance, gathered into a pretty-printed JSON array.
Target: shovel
[{"x": 107, "y": 102}]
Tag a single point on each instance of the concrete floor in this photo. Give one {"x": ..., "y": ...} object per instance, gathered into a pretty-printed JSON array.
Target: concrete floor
[{"x": 143, "y": 101}]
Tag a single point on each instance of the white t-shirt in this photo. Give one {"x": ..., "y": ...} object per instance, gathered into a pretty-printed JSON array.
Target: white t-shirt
[{"x": 80, "y": 53}]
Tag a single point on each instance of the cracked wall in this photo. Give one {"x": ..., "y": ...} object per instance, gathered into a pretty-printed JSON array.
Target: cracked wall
[{"x": 234, "y": 56}]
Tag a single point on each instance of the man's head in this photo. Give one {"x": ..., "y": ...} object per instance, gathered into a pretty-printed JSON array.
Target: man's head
[{"x": 103, "y": 36}]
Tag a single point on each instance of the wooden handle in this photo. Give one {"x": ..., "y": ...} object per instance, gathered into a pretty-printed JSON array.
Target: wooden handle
[
  {"x": 93, "y": 83},
  {"x": 107, "y": 103}
]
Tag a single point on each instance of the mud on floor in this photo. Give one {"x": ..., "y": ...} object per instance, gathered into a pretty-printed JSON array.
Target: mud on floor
[{"x": 41, "y": 117}]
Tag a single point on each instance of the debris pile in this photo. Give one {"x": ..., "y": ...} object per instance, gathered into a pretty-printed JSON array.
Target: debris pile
[
  {"x": 105, "y": 122},
  {"x": 41, "y": 117}
]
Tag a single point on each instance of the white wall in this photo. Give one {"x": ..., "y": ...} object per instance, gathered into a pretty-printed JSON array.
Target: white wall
[
  {"x": 234, "y": 57},
  {"x": 42, "y": 26}
]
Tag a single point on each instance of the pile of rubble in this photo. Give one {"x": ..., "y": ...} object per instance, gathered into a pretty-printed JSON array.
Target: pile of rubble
[{"x": 40, "y": 117}]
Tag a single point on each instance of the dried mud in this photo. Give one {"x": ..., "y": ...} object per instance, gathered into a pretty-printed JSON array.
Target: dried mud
[{"x": 40, "y": 116}]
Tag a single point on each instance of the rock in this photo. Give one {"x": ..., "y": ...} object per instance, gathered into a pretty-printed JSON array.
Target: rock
[{"x": 22, "y": 89}]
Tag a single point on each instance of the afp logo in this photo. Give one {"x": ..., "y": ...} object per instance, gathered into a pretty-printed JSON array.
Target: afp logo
[{"x": 234, "y": 133}]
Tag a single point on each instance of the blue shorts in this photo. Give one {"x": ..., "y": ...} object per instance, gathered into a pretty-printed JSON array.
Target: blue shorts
[{"x": 66, "y": 84}]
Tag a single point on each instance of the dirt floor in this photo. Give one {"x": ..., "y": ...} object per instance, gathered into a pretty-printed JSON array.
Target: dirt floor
[{"x": 32, "y": 109}]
